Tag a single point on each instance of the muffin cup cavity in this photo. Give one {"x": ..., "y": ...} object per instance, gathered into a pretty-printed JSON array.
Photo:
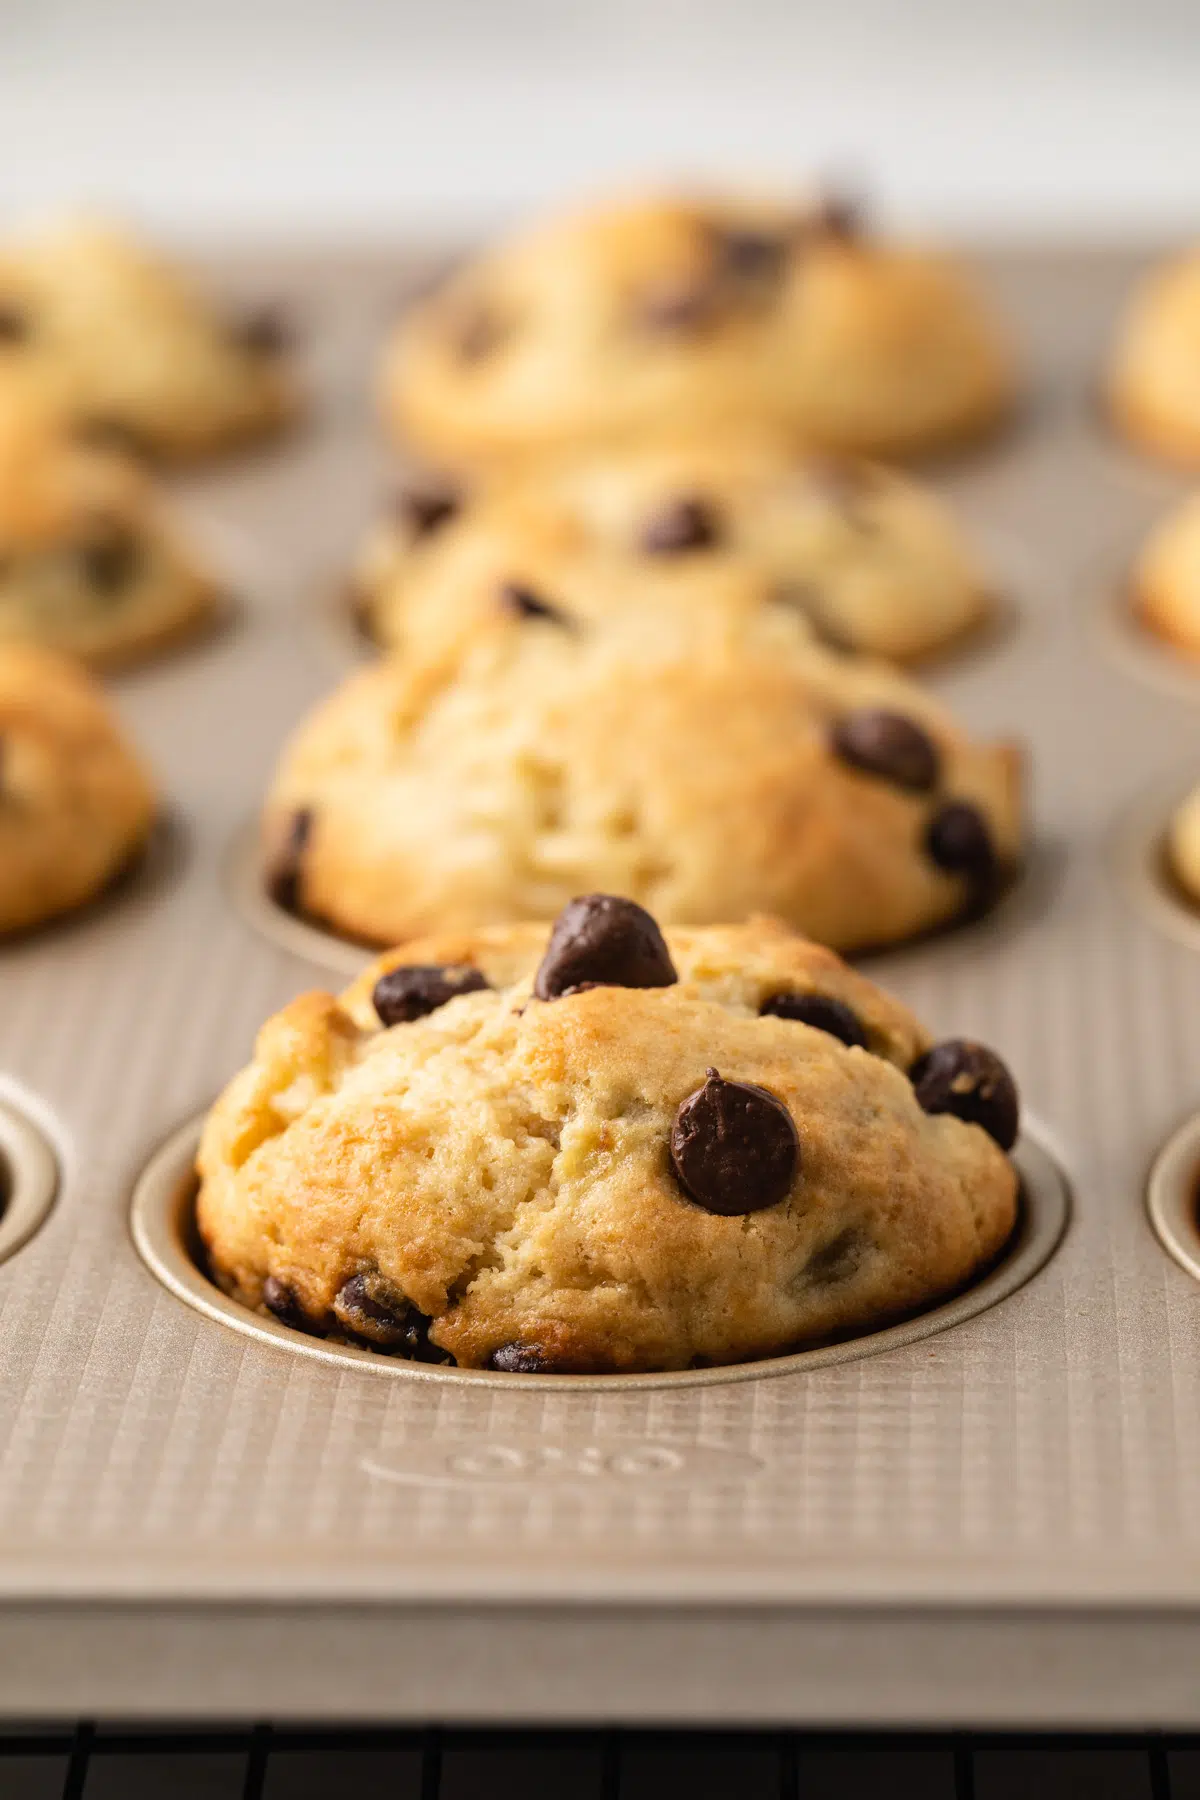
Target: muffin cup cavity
[
  {"x": 313, "y": 943},
  {"x": 29, "y": 1174},
  {"x": 1173, "y": 1196},
  {"x": 163, "y": 1225},
  {"x": 1141, "y": 863}
]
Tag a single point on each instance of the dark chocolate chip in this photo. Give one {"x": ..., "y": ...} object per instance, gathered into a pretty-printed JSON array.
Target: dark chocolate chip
[
  {"x": 279, "y": 1299},
  {"x": 749, "y": 255},
  {"x": 971, "y": 1082},
  {"x": 109, "y": 557},
  {"x": 519, "y": 1358},
  {"x": 265, "y": 331},
  {"x": 838, "y": 214},
  {"x": 958, "y": 840},
  {"x": 425, "y": 510},
  {"x": 283, "y": 880},
  {"x": 476, "y": 331},
  {"x": 114, "y": 434},
  {"x": 414, "y": 989},
  {"x": 888, "y": 745},
  {"x": 734, "y": 1148},
  {"x": 14, "y": 325},
  {"x": 373, "y": 1309},
  {"x": 599, "y": 938},
  {"x": 821, "y": 1011},
  {"x": 683, "y": 305},
  {"x": 689, "y": 523},
  {"x": 522, "y": 601}
]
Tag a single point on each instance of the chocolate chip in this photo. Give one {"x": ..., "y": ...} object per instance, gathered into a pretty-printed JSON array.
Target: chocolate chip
[
  {"x": 14, "y": 325},
  {"x": 821, "y": 1011},
  {"x": 412, "y": 990},
  {"x": 683, "y": 305},
  {"x": 837, "y": 215},
  {"x": 116, "y": 435},
  {"x": 734, "y": 1147},
  {"x": 476, "y": 331},
  {"x": 265, "y": 331},
  {"x": 519, "y": 1358},
  {"x": 600, "y": 938},
  {"x": 279, "y": 1299},
  {"x": 958, "y": 840},
  {"x": 370, "y": 1307},
  {"x": 522, "y": 601},
  {"x": 837, "y": 1260},
  {"x": 283, "y": 880},
  {"x": 971, "y": 1082},
  {"x": 689, "y": 523},
  {"x": 425, "y": 510},
  {"x": 749, "y": 255},
  {"x": 888, "y": 745},
  {"x": 109, "y": 558}
]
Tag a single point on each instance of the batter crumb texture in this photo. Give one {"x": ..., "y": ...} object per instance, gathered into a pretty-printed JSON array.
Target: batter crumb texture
[
  {"x": 605, "y": 1149},
  {"x": 669, "y": 312},
  {"x": 88, "y": 562},
  {"x": 872, "y": 560},
  {"x": 683, "y": 742},
  {"x": 133, "y": 348},
  {"x": 1154, "y": 369},
  {"x": 75, "y": 800}
]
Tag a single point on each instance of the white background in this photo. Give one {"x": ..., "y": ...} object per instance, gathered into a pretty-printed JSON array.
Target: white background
[{"x": 362, "y": 118}]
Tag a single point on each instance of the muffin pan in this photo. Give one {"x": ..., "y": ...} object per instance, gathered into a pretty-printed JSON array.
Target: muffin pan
[
  {"x": 993, "y": 1517},
  {"x": 28, "y": 1174}
]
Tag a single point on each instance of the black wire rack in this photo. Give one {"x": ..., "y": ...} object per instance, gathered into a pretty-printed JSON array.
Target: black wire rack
[{"x": 111, "y": 1762}]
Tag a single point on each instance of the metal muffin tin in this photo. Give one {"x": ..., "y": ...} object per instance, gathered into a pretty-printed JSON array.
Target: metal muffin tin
[{"x": 996, "y": 1521}]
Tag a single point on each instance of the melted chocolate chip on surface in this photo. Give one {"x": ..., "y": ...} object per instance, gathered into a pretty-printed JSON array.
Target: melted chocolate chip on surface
[
  {"x": 264, "y": 331},
  {"x": 518, "y": 1358},
  {"x": 888, "y": 745},
  {"x": 279, "y": 1299},
  {"x": 109, "y": 557},
  {"x": 412, "y": 990},
  {"x": 14, "y": 324},
  {"x": 970, "y": 1081},
  {"x": 821, "y": 1011},
  {"x": 283, "y": 879},
  {"x": 734, "y": 1148},
  {"x": 526, "y": 604},
  {"x": 476, "y": 332},
  {"x": 602, "y": 940},
  {"x": 689, "y": 523},
  {"x": 373, "y": 1309},
  {"x": 749, "y": 255},
  {"x": 958, "y": 840},
  {"x": 425, "y": 509}
]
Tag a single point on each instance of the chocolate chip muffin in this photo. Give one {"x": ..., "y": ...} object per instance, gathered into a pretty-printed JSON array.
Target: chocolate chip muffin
[
  {"x": 88, "y": 563},
  {"x": 132, "y": 348},
  {"x": 695, "y": 750},
  {"x": 1166, "y": 578},
  {"x": 603, "y": 1149},
  {"x": 666, "y": 313},
  {"x": 872, "y": 560},
  {"x": 75, "y": 800},
  {"x": 1154, "y": 369}
]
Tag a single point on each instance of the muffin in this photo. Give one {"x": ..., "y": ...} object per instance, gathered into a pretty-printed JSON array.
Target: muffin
[
  {"x": 599, "y": 1149},
  {"x": 873, "y": 560},
  {"x": 133, "y": 348},
  {"x": 88, "y": 563},
  {"x": 666, "y": 313},
  {"x": 694, "y": 750},
  {"x": 1154, "y": 368},
  {"x": 76, "y": 803},
  {"x": 1166, "y": 578}
]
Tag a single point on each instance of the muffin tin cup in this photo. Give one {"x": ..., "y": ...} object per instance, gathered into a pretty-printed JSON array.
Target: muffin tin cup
[
  {"x": 29, "y": 1173},
  {"x": 163, "y": 1225},
  {"x": 1173, "y": 1196},
  {"x": 1140, "y": 865}
]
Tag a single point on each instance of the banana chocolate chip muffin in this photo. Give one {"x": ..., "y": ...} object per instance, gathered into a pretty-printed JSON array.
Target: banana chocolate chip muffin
[
  {"x": 1165, "y": 588},
  {"x": 700, "y": 753},
  {"x": 874, "y": 561},
  {"x": 133, "y": 348},
  {"x": 75, "y": 801},
  {"x": 88, "y": 563},
  {"x": 670, "y": 313},
  {"x": 603, "y": 1149},
  {"x": 1154, "y": 370}
]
